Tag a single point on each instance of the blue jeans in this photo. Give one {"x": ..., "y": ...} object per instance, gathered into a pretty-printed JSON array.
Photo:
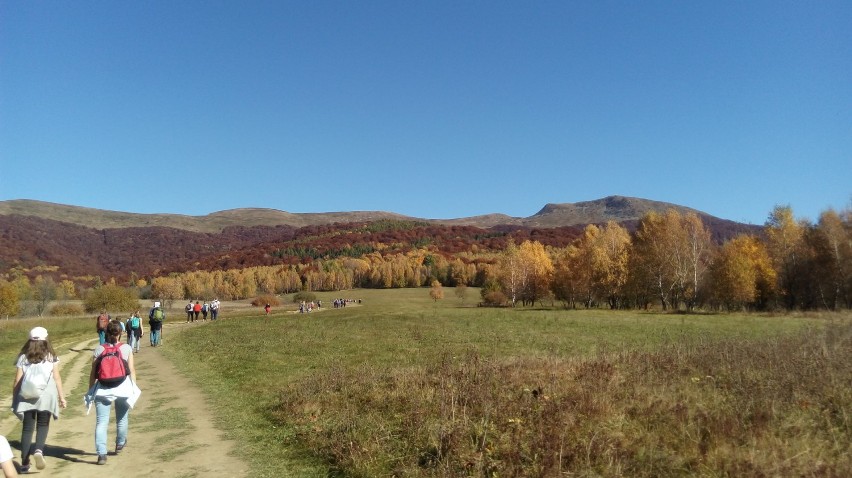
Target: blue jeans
[
  {"x": 122, "y": 417},
  {"x": 155, "y": 337}
]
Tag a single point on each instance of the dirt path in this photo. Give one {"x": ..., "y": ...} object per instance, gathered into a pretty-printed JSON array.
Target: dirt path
[{"x": 171, "y": 428}]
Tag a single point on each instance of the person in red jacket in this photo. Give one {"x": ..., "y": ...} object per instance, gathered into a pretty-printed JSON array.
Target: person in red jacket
[{"x": 196, "y": 309}]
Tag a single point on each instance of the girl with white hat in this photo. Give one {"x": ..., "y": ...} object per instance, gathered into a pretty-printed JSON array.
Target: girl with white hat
[{"x": 37, "y": 396}]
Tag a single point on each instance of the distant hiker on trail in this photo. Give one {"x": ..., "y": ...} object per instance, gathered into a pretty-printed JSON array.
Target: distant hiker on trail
[
  {"x": 155, "y": 323},
  {"x": 214, "y": 309},
  {"x": 114, "y": 373},
  {"x": 6, "y": 463},
  {"x": 188, "y": 310},
  {"x": 196, "y": 309},
  {"x": 204, "y": 310},
  {"x": 37, "y": 395},
  {"x": 102, "y": 320},
  {"x": 134, "y": 331}
]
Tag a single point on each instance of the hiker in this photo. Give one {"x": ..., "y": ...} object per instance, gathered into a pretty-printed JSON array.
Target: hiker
[
  {"x": 134, "y": 331},
  {"x": 267, "y": 308},
  {"x": 120, "y": 323},
  {"x": 37, "y": 395},
  {"x": 6, "y": 463},
  {"x": 214, "y": 309},
  {"x": 115, "y": 374},
  {"x": 102, "y": 320},
  {"x": 155, "y": 323},
  {"x": 204, "y": 310},
  {"x": 188, "y": 310},
  {"x": 196, "y": 309}
]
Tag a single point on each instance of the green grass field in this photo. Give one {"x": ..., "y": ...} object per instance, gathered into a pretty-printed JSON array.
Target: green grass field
[{"x": 401, "y": 385}]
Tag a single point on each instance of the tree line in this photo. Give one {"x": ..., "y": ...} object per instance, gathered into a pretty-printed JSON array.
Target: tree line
[{"x": 669, "y": 261}]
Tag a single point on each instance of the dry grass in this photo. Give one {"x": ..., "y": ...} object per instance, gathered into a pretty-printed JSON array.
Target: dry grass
[{"x": 777, "y": 407}]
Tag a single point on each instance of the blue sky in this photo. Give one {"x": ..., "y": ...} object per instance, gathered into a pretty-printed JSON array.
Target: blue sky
[{"x": 430, "y": 109}]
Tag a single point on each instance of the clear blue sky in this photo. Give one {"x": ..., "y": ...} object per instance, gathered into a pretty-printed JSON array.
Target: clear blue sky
[{"x": 431, "y": 109}]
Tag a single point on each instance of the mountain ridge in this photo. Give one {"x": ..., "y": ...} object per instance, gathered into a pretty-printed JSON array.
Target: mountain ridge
[
  {"x": 70, "y": 241},
  {"x": 618, "y": 208}
]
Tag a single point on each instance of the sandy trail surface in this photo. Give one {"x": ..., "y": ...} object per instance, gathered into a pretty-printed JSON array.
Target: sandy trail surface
[{"x": 171, "y": 432}]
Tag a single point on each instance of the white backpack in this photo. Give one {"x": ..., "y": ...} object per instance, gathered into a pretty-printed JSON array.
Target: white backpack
[{"x": 35, "y": 380}]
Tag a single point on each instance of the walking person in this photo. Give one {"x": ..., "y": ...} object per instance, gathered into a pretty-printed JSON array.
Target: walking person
[
  {"x": 102, "y": 320},
  {"x": 114, "y": 373},
  {"x": 214, "y": 309},
  {"x": 196, "y": 309},
  {"x": 204, "y": 310},
  {"x": 6, "y": 463},
  {"x": 134, "y": 331},
  {"x": 155, "y": 323},
  {"x": 189, "y": 313},
  {"x": 37, "y": 395}
]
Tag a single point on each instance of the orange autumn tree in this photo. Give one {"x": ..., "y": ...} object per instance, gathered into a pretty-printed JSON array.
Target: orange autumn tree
[{"x": 742, "y": 275}]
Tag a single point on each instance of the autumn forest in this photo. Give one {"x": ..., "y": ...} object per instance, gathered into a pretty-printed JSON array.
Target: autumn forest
[{"x": 670, "y": 260}]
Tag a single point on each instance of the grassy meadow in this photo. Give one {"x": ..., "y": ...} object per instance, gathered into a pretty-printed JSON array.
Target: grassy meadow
[{"x": 401, "y": 385}]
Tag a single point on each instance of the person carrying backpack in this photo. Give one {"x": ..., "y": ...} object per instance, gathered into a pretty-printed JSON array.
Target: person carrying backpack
[
  {"x": 134, "y": 331},
  {"x": 37, "y": 395},
  {"x": 102, "y": 320},
  {"x": 6, "y": 463},
  {"x": 114, "y": 373},
  {"x": 155, "y": 321}
]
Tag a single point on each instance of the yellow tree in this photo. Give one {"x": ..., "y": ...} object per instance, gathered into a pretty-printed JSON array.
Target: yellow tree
[
  {"x": 568, "y": 280},
  {"x": 742, "y": 274},
  {"x": 652, "y": 259},
  {"x": 10, "y": 304},
  {"x": 511, "y": 272},
  {"x": 436, "y": 291},
  {"x": 68, "y": 289},
  {"x": 784, "y": 239},
  {"x": 167, "y": 289},
  {"x": 609, "y": 251},
  {"x": 697, "y": 257},
  {"x": 536, "y": 271}
]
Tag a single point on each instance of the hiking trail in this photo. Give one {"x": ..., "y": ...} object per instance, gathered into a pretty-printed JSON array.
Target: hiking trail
[{"x": 171, "y": 428}]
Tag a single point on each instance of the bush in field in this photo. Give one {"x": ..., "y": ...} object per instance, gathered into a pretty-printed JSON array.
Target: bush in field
[
  {"x": 686, "y": 409},
  {"x": 304, "y": 296},
  {"x": 111, "y": 298},
  {"x": 495, "y": 298},
  {"x": 264, "y": 299},
  {"x": 66, "y": 309}
]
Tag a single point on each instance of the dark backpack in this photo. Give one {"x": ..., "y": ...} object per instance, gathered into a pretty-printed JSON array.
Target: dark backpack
[
  {"x": 111, "y": 367},
  {"x": 103, "y": 321}
]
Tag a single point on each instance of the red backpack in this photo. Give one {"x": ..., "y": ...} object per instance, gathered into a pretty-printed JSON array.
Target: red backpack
[{"x": 111, "y": 367}]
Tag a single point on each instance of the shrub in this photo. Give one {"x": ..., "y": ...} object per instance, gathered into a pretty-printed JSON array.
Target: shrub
[
  {"x": 66, "y": 309},
  {"x": 264, "y": 299},
  {"x": 495, "y": 298},
  {"x": 305, "y": 296},
  {"x": 111, "y": 297}
]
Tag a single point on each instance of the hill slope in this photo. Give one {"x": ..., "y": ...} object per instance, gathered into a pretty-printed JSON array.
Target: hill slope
[
  {"x": 617, "y": 208},
  {"x": 71, "y": 241}
]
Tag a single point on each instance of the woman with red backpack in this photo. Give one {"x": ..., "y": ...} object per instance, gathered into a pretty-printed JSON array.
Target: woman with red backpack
[{"x": 115, "y": 375}]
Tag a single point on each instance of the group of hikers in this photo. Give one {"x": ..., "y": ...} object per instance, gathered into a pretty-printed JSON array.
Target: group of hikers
[
  {"x": 38, "y": 395},
  {"x": 196, "y": 309}
]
